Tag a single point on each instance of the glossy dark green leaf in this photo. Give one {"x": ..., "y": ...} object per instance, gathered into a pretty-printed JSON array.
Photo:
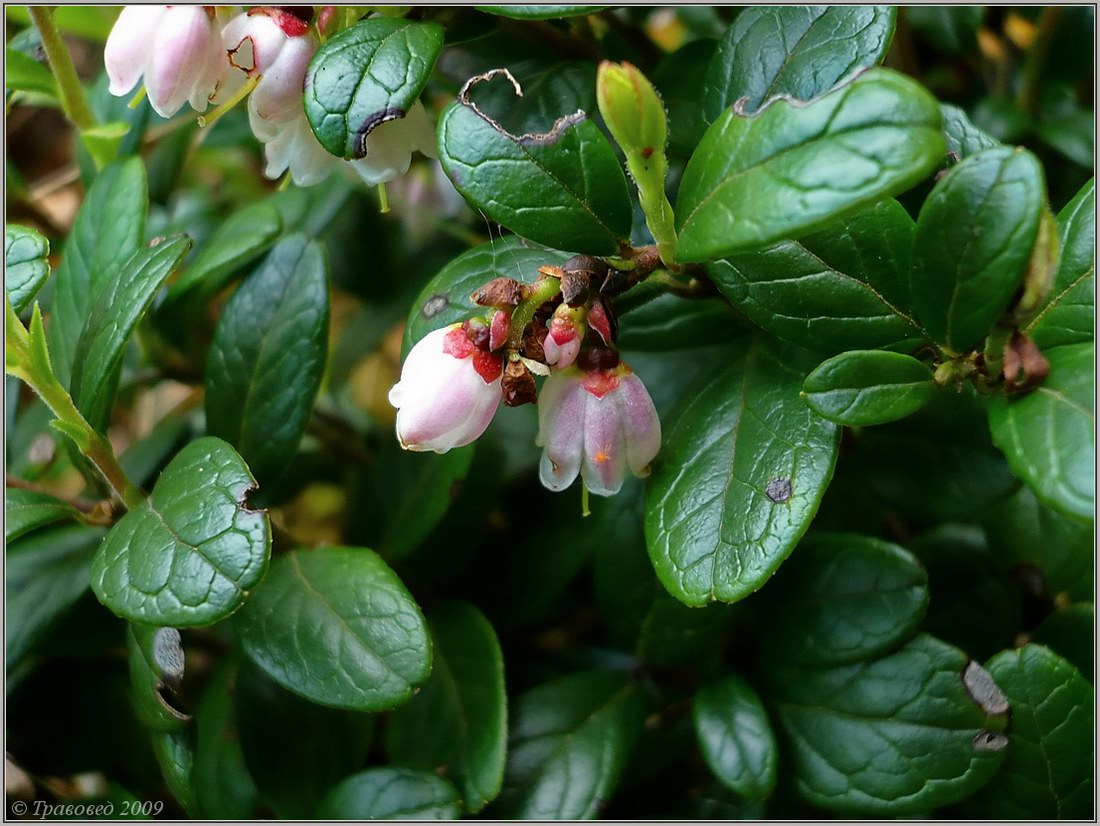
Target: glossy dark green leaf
[
  {"x": 1067, "y": 317},
  {"x": 1070, "y": 632},
  {"x": 742, "y": 470},
  {"x": 844, "y": 288},
  {"x": 947, "y": 28},
  {"x": 243, "y": 237},
  {"x": 1047, "y": 772},
  {"x": 446, "y": 298},
  {"x": 867, "y": 387},
  {"x": 973, "y": 243},
  {"x": 1071, "y": 135},
  {"x": 547, "y": 12},
  {"x": 392, "y": 794},
  {"x": 735, "y": 737},
  {"x": 156, "y": 675},
  {"x": 338, "y": 627},
  {"x": 1023, "y": 531},
  {"x": 912, "y": 731},
  {"x": 549, "y": 89},
  {"x": 670, "y": 323},
  {"x": 963, "y": 137},
  {"x": 842, "y": 598},
  {"x": 117, "y": 304},
  {"x": 46, "y": 573},
  {"x": 459, "y": 718},
  {"x": 568, "y": 742},
  {"x": 175, "y": 753},
  {"x": 28, "y": 510},
  {"x": 268, "y": 355},
  {"x": 1047, "y": 434},
  {"x": 367, "y": 75},
  {"x": 677, "y": 79},
  {"x": 190, "y": 553},
  {"x": 792, "y": 169},
  {"x": 26, "y": 267},
  {"x": 22, "y": 73},
  {"x": 800, "y": 52},
  {"x": 223, "y": 785},
  {"x": 564, "y": 188},
  {"x": 109, "y": 228},
  {"x": 295, "y": 750}
]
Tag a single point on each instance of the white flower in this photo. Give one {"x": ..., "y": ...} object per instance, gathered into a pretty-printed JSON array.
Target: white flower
[
  {"x": 176, "y": 48},
  {"x": 449, "y": 390},
  {"x": 292, "y": 145},
  {"x": 595, "y": 423},
  {"x": 390, "y": 146}
]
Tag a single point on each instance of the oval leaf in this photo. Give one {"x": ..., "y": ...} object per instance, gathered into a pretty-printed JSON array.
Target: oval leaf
[
  {"x": 190, "y": 553},
  {"x": 1047, "y": 434},
  {"x": 963, "y": 137},
  {"x": 26, "y": 267},
  {"x": 117, "y": 304},
  {"x": 844, "y": 597},
  {"x": 338, "y": 627},
  {"x": 568, "y": 742},
  {"x": 973, "y": 243},
  {"x": 459, "y": 718},
  {"x": 909, "y": 732},
  {"x": 792, "y": 168},
  {"x": 793, "y": 51},
  {"x": 1047, "y": 773},
  {"x": 367, "y": 75},
  {"x": 265, "y": 364},
  {"x": 844, "y": 288},
  {"x": 866, "y": 387},
  {"x": 736, "y": 738},
  {"x": 28, "y": 510},
  {"x": 391, "y": 794},
  {"x": 742, "y": 471},
  {"x": 1067, "y": 317},
  {"x": 564, "y": 188}
]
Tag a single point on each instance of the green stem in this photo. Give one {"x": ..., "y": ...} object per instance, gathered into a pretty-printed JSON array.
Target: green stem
[
  {"x": 541, "y": 291},
  {"x": 73, "y": 100}
]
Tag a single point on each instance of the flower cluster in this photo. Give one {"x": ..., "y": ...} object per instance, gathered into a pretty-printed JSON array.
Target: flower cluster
[
  {"x": 200, "y": 55},
  {"x": 596, "y": 418}
]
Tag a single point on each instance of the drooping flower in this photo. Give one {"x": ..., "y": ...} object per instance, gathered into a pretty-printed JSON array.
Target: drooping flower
[
  {"x": 450, "y": 387},
  {"x": 177, "y": 49},
  {"x": 390, "y": 146},
  {"x": 597, "y": 423}
]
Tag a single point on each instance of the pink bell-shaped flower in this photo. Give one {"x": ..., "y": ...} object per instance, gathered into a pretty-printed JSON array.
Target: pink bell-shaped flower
[
  {"x": 563, "y": 341},
  {"x": 390, "y": 146},
  {"x": 450, "y": 388},
  {"x": 176, "y": 48},
  {"x": 596, "y": 423}
]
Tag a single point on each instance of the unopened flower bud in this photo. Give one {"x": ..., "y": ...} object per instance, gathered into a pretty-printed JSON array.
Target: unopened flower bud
[
  {"x": 563, "y": 341},
  {"x": 631, "y": 108},
  {"x": 448, "y": 391},
  {"x": 598, "y": 424}
]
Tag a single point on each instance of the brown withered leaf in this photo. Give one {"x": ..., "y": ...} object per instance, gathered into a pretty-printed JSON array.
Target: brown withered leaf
[{"x": 1024, "y": 364}]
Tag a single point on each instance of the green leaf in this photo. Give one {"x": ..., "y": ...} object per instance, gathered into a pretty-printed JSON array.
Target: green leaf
[
  {"x": 1069, "y": 633},
  {"x": 191, "y": 553},
  {"x": 564, "y": 188},
  {"x": 338, "y": 627},
  {"x": 367, "y": 75},
  {"x": 28, "y": 510},
  {"x": 391, "y": 794},
  {"x": 241, "y": 239},
  {"x": 842, "y": 598},
  {"x": 677, "y": 79},
  {"x": 156, "y": 675},
  {"x": 867, "y": 387},
  {"x": 223, "y": 786},
  {"x": 118, "y": 303},
  {"x": 26, "y": 264},
  {"x": 947, "y": 28},
  {"x": 109, "y": 228},
  {"x": 549, "y": 88},
  {"x": 973, "y": 243},
  {"x": 670, "y": 322},
  {"x": 912, "y": 731},
  {"x": 1071, "y": 135},
  {"x": 735, "y": 737},
  {"x": 268, "y": 355},
  {"x": 963, "y": 137},
  {"x": 1067, "y": 317},
  {"x": 743, "y": 468},
  {"x": 568, "y": 742},
  {"x": 459, "y": 718},
  {"x": 547, "y": 12},
  {"x": 175, "y": 753},
  {"x": 46, "y": 573},
  {"x": 446, "y": 298},
  {"x": 1047, "y": 772},
  {"x": 22, "y": 73},
  {"x": 844, "y": 288},
  {"x": 800, "y": 52},
  {"x": 295, "y": 750},
  {"x": 91, "y": 22},
  {"x": 1047, "y": 434},
  {"x": 793, "y": 168},
  {"x": 674, "y": 634}
]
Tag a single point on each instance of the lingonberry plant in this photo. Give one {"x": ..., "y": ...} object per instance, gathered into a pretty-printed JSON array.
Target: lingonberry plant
[{"x": 550, "y": 412}]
